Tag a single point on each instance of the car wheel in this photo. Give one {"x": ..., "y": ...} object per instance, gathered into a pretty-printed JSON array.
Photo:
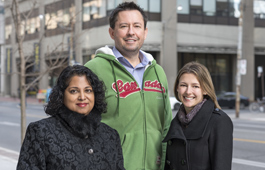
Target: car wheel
[
  {"x": 254, "y": 107},
  {"x": 176, "y": 106}
]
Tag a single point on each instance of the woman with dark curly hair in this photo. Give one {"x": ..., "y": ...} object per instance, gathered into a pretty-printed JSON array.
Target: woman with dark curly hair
[{"x": 73, "y": 136}]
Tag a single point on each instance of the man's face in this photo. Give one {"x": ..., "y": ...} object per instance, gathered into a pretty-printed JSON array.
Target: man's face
[{"x": 129, "y": 32}]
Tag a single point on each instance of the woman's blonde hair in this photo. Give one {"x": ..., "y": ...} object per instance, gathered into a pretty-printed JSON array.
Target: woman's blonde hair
[{"x": 204, "y": 78}]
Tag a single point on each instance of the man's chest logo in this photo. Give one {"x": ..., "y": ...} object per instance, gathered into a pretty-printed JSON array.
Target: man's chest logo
[{"x": 128, "y": 88}]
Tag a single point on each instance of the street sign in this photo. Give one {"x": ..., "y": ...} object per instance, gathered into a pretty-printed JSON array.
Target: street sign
[
  {"x": 260, "y": 70},
  {"x": 243, "y": 66}
]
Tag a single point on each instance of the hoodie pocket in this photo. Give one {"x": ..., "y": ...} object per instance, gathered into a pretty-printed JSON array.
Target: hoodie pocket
[{"x": 142, "y": 152}]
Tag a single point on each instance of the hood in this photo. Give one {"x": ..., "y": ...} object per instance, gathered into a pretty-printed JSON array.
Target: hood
[{"x": 107, "y": 53}]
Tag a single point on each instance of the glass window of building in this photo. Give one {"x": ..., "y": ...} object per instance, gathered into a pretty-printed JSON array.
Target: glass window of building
[
  {"x": 143, "y": 4},
  {"x": 86, "y": 12},
  {"x": 94, "y": 9},
  {"x": 219, "y": 65},
  {"x": 66, "y": 17},
  {"x": 22, "y": 28},
  {"x": 27, "y": 26},
  {"x": 102, "y": 5},
  {"x": 196, "y": 7},
  {"x": 154, "y": 6},
  {"x": 32, "y": 25},
  {"x": 222, "y": 8},
  {"x": 59, "y": 18},
  {"x": 112, "y": 4},
  {"x": 37, "y": 26},
  {"x": 259, "y": 9},
  {"x": 183, "y": 7},
  {"x": 234, "y": 8},
  {"x": 72, "y": 13},
  {"x": 209, "y": 7},
  {"x": 50, "y": 21},
  {"x": 8, "y": 30}
]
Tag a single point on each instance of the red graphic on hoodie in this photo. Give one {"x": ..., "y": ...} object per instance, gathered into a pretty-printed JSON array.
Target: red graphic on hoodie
[
  {"x": 153, "y": 86},
  {"x": 125, "y": 89}
]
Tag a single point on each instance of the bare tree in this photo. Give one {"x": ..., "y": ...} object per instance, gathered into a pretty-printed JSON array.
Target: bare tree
[{"x": 53, "y": 62}]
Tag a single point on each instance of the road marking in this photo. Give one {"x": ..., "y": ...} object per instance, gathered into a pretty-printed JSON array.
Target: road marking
[
  {"x": 8, "y": 159},
  {"x": 250, "y": 131},
  {"x": 9, "y": 124},
  {"x": 259, "y": 119},
  {"x": 8, "y": 154},
  {"x": 8, "y": 150},
  {"x": 247, "y": 162},
  {"x": 247, "y": 125},
  {"x": 249, "y": 140},
  {"x": 37, "y": 116}
]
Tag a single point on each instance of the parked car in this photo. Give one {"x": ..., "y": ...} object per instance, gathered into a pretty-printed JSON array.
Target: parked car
[
  {"x": 175, "y": 104},
  {"x": 228, "y": 99}
]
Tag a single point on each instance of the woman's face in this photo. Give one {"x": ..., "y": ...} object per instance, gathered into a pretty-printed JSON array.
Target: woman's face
[
  {"x": 79, "y": 95},
  {"x": 189, "y": 91}
]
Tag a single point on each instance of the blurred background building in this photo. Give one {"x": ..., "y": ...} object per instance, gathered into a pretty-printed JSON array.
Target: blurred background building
[{"x": 179, "y": 31}]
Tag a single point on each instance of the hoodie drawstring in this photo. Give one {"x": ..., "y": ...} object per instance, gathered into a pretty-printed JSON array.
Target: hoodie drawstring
[
  {"x": 164, "y": 100},
  {"x": 118, "y": 93}
]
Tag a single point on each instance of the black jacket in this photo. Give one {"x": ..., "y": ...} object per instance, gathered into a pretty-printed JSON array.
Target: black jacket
[
  {"x": 205, "y": 144},
  {"x": 70, "y": 140}
]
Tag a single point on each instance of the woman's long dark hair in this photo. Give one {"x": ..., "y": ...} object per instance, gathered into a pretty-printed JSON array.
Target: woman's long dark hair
[{"x": 56, "y": 97}]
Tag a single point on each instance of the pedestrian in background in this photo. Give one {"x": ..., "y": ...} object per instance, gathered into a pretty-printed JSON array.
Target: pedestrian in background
[
  {"x": 73, "y": 136},
  {"x": 137, "y": 90},
  {"x": 48, "y": 92},
  {"x": 201, "y": 135}
]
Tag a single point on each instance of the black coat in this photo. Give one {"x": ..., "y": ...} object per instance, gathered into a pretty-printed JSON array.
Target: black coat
[
  {"x": 205, "y": 144},
  {"x": 70, "y": 141}
]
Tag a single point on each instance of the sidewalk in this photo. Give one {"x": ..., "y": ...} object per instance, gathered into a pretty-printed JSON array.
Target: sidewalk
[
  {"x": 246, "y": 115},
  {"x": 30, "y": 100},
  {"x": 9, "y": 158}
]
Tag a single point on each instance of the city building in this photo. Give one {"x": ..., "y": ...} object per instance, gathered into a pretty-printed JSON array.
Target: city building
[{"x": 179, "y": 31}]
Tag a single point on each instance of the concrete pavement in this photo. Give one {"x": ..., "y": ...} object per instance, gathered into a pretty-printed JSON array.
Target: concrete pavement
[
  {"x": 30, "y": 100},
  {"x": 246, "y": 115},
  {"x": 8, "y": 158}
]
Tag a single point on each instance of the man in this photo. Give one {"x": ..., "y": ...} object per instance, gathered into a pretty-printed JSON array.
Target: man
[{"x": 137, "y": 90}]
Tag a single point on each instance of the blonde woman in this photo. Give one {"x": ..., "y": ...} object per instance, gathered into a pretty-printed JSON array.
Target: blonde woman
[{"x": 201, "y": 135}]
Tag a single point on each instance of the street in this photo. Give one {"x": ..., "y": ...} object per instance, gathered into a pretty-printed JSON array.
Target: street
[
  {"x": 10, "y": 123},
  {"x": 249, "y": 135}
]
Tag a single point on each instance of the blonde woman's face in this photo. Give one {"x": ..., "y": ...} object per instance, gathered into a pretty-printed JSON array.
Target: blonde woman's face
[{"x": 189, "y": 90}]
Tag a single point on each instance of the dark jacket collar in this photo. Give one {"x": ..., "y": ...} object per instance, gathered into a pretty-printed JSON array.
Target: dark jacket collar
[
  {"x": 80, "y": 125},
  {"x": 196, "y": 127}
]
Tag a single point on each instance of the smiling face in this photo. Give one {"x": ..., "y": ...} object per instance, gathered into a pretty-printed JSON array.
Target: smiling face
[
  {"x": 189, "y": 91},
  {"x": 79, "y": 96},
  {"x": 129, "y": 32}
]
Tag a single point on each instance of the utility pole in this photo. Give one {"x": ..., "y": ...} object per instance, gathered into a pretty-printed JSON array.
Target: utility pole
[{"x": 239, "y": 57}]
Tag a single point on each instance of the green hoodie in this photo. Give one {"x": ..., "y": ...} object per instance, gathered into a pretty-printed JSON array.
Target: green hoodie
[{"x": 141, "y": 116}]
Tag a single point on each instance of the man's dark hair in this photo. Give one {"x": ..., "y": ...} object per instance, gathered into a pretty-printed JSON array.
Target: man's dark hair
[
  {"x": 125, "y": 6},
  {"x": 56, "y": 97}
]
